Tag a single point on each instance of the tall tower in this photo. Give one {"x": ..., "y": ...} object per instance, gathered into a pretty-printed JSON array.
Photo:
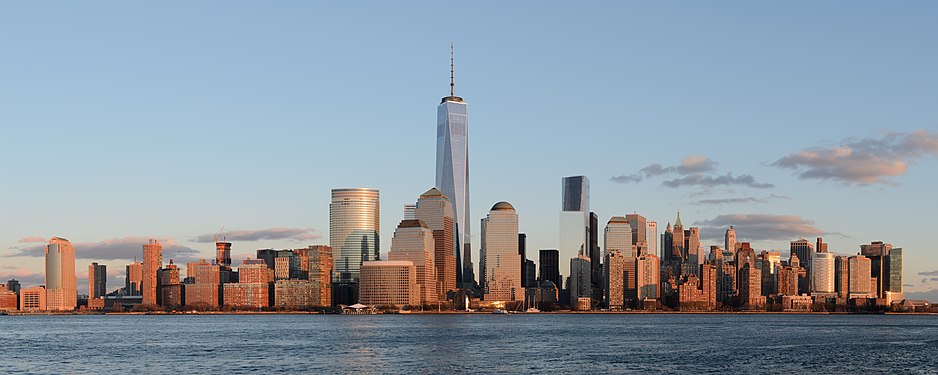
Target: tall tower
[
  {"x": 61, "y": 292},
  {"x": 152, "y": 262},
  {"x": 729, "y": 240},
  {"x": 413, "y": 241},
  {"x": 574, "y": 220},
  {"x": 353, "y": 231},
  {"x": 500, "y": 261},
  {"x": 452, "y": 169}
]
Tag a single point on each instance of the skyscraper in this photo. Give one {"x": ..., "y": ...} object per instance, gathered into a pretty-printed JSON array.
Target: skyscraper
[
  {"x": 618, "y": 236},
  {"x": 353, "y": 230},
  {"x": 647, "y": 272},
  {"x": 652, "y": 237},
  {"x": 859, "y": 277},
  {"x": 595, "y": 259},
  {"x": 97, "y": 280},
  {"x": 452, "y": 169},
  {"x": 805, "y": 251},
  {"x": 580, "y": 279},
  {"x": 574, "y": 219},
  {"x": 822, "y": 273},
  {"x": 730, "y": 240},
  {"x": 413, "y": 242},
  {"x": 549, "y": 263},
  {"x": 639, "y": 227},
  {"x": 223, "y": 253},
  {"x": 152, "y": 262},
  {"x": 134, "y": 278},
  {"x": 500, "y": 262},
  {"x": 436, "y": 211},
  {"x": 615, "y": 279},
  {"x": 61, "y": 293}
]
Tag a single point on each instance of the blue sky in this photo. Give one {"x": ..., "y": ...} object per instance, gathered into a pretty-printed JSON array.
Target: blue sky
[{"x": 123, "y": 121}]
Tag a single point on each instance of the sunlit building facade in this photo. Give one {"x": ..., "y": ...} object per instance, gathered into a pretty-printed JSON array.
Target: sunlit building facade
[
  {"x": 60, "y": 292},
  {"x": 413, "y": 241},
  {"x": 389, "y": 283},
  {"x": 354, "y": 229},
  {"x": 452, "y": 172},
  {"x": 436, "y": 211},
  {"x": 500, "y": 261},
  {"x": 97, "y": 280},
  {"x": 574, "y": 219},
  {"x": 152, "y": 262}
]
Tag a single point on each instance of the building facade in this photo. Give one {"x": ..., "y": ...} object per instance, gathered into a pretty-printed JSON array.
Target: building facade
[
  {"x": 60, "y": 288},
  {"x": 152, "y": 262},
  {"x": 500, "y": 264},
  {"x": 97, "y": 280},
  {"x": 436, "y": 211},
  {"x": 413, "y": 241},
  {"x": 574, "y": 219},
  {"x": 354, "y": 228},
  {"x": 389, "y": 283}
]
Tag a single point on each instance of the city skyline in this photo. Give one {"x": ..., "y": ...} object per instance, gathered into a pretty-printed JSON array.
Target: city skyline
[{"x": 746, "y": 182}]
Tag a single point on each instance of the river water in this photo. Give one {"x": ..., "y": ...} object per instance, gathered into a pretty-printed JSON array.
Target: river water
[{"x": 533, "y": 343}]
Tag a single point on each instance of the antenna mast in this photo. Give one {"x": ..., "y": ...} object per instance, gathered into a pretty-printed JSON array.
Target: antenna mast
[{"x": 452, "y": 65}]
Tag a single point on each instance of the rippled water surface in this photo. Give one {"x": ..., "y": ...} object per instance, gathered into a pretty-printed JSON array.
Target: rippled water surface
[{"x": 580, "y": 343}]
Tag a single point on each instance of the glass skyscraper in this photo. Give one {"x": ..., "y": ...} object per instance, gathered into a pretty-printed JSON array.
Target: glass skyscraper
[
  {"x": 353, "y": 230},
  {"x": 452, "y": 172},
  {"x": 574, "y": 220}
]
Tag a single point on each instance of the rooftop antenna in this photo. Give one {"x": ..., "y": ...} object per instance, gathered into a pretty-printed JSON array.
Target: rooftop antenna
[{"x": 452, "y": 65}]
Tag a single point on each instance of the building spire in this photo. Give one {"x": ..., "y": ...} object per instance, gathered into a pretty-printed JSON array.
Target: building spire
[
  {"x": 678, "y": 223},
  {"x": 452, "y": 66}
]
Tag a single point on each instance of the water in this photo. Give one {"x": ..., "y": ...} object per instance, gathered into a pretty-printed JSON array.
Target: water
[{"x": 580, "y": 343}]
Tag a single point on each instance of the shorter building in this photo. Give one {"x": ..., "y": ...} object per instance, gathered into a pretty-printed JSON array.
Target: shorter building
[
  {"x": 251, "y": 295},
  {"x": 33, "y": 299},
  {"x": 96, "y": 303},
  {"x": 204, "y": 295},
  {"x": 542, "y": 295},
  {"x": 796, "y": 303},
  {"x": 295, "y": 294},
  {"x": 615, "y": 279},
  {"x": 172, "y": 295},
  {"x": 389, "y": 283},
  {"x": 8, "y": 299}
]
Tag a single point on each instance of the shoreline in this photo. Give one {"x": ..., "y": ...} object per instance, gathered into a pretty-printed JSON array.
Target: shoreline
[{"x": 18, "y": 313}]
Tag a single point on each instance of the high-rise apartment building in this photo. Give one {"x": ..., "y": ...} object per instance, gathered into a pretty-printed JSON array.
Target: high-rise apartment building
[
  {"x": 60, "y": 291},
  {"x": 842, "y": 276},
  {"x": 859, "y": 268},
  {"x": 152, "y": 262},
  {"x": 615, "y": 279},
  {"x": 574, "y": 219},
  {"x": 500, "y": 262},
  {"x": 596, "y": 279},
  {"x": 549, "y": 266},
  {"x": 452, "y": 170},
  {"x": 171, "y": 291},
  {"x": 320, "y": 274},
  {"x": 436, "y": 211},
  {"x": 413, "y": 242},
  {"x": 97, "y": 280},
  {"x": 354, "y": 229},
  {"x": 206, "y": 287},
  {"x": 648, "y": 277}
]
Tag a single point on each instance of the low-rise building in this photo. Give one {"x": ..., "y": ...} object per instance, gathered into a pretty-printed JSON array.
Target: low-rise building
[
  {"x": 252, "y": 295},
  {"x": 294, "y": 294},
  {"x": 33, "y": 299},
  {"x": 389, "y": 283}
]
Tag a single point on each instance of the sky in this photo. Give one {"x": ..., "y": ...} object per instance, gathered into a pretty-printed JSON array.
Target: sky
[{"x": 123, "y": 121}]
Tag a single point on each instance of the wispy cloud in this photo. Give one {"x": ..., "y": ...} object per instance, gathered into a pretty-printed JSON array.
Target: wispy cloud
[
  {"x": 124, "y": 248},
  {"x": 33, "y": 239},
  {"x": 738, "y": 200},
  {"x": 711, "y": 181},
  {"x": 26, "y": 277},
  {"x": 694, "y": 170},
  {"x": 865, "y": 161},
  {"x": 297, "y": 234},
  {"x": 754, "y": 227},
  {"x": 929, "y": 273}
]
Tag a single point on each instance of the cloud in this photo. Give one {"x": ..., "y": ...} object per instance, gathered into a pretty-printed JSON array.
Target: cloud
[
  {"x": 929, "y": 273},
  {"x": 930, "y": 295},
  {"x": 33, "y": 239},
  {"x": 297, "y": 234},
  {"x": 865, "y": 161},
  {"x": 125, "y": 248},
  {"x": 739, "y": 200},
  {"x": 25, "y": 276},
  {"x": 690, "y": 164},
  {"x": 755, "y": 227},
  {"x": 694, "y": 170},
  {"x": 710, "y": 181}
]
